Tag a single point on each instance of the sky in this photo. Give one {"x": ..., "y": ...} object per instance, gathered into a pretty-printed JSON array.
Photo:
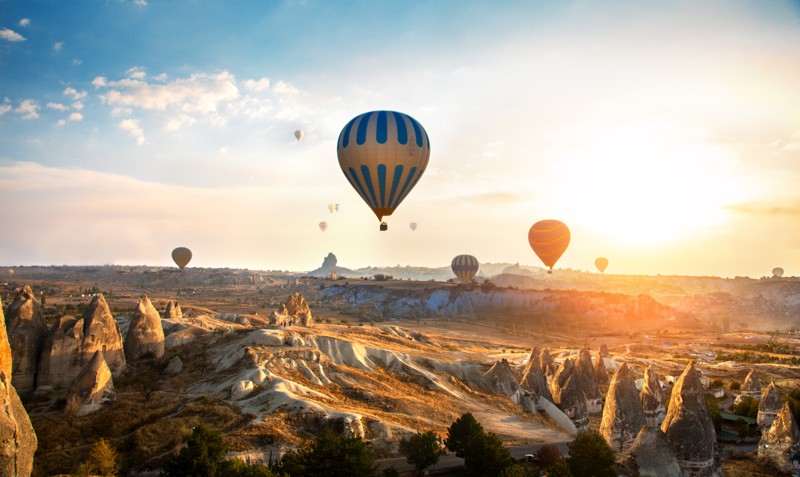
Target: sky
[{"x": 666, "y": 135}]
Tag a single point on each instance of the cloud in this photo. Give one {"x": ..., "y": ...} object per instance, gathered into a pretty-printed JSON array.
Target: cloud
[
  {"x": 56, "y": 106},
  {"x": 4, "y": 108},
  {"x": 58, "y": 46},
  {"x": 178, "y": 122},
  {"x": 136, "y": 72},
  {"x": 99, "y": 82},
  {"x": 261, "y": 84},
  {"x": 74, "y": 94},
  {"x": 25, "y": 22},
  {"x": 11, "y": 35},
  {"x": 77, "y": 106},
  {"x": 131, "y": 126},
  {"x": 61, "y": 122},
  {"x": 202, "y": 93},
  {"x": 140, "y": 3},
  {"x": 790, "y": 207},
  {"x": 118, "y": 112},
  {"x": 28, "y": 108},
  {"x": 76, "y": 117},
  {"x": 76, "y": 62}
]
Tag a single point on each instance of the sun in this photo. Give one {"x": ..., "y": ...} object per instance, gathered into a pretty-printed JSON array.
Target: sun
[{"x": 639, "y": 187}]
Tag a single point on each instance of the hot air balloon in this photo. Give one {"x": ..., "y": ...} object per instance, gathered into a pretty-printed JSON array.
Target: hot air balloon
[
  {"x": 337, "y": 207},
  {"x": 601, "y": 264},
  {"x": 465, "y": 267},
  {"x": 413, "y": 226},
  {"x": 383, "y": 154},
  {"x": 549, "y": 239},
  {"x": 777, "y": 272},
  {"x": 331, "y": 208},
  {"x": 181, "y": 256},
  {"x": 10, "y": 272},
  {"x": 299, "y": 135},
  {"x": 323, "y": 226}
]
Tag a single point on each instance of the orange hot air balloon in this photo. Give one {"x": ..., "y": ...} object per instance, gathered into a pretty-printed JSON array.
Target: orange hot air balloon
[
  {"x": 601, "y": 264},
  {"x": 549, "y": 239},
  {"x": 181, "y": 256}
]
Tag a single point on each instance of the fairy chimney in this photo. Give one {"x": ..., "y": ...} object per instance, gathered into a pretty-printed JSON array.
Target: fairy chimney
[
  {"x": 600, "y": 372},
  {"x": 534, "y": 380},
  {"x": 101, "y": 332},
  {"x": 585, "y": 370},
  {"x": 653, "y": 398},
  {"x": 173, "y": 310},
  {"x": 782, "y": 441},
  {"x": 94, "y": 385},
  {"x": 653, "y": 454},
  {"x": 604, "y": 351},
  {"x": 623, "y": 416},
  {"x": 26, "y": 330},
  {"x": 769, "y": 405},
  {"x": 547, "y": 363},
  {"x": 568, "y": 394},
  {"x": 145, "y": 335},
  {"x": 688, "y": 426}
]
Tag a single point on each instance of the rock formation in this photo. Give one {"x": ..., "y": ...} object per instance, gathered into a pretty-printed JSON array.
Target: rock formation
[
  {"x": 585, "y": 370},
  {"x": 145, "y": 334},
  {"x": 547, "y": 363},
  {"x": 17, "y": 439},
  {"x": 600, "y": 372},
  {"x": 769, "y": 405},
  {"x": 623, "y": 416},
  {"x": 604, "y": 351},
  {"x": 101, "y": 332},
  {"x": 689, "y": 428},
  {"x": 294, "y": 312},
  {"x": 174, "y": 367},
  {"x": 568, "y": 394},
  {"x": 94, "y": 385},
  {"x": 781, "y": 441},
  {"x": 173, "y": 310},
  {"x": 501, "y": 379},
  {"x": 534, "y": 380},
  {"x": 653, "y": 398},
  {"x": 751, "y": 387},
  {"x": 26, "y": 329},
  {"x": 653, "y": 454}
]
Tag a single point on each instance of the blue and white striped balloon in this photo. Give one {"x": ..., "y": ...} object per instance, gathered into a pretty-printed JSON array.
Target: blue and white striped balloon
[{"x": 383, "y": 154}]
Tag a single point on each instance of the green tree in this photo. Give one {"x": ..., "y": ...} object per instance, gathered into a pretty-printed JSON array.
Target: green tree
[
  {"x": 330, "y": 455},
  {"x": 486, "y": 455},
  {"x": 747, "y": 407},
  {"x": 515, "y": 470},
  {"x": 590, "y": 456},
  {"x": 102, "y": 459},
  {"x": 461, "y": 432},
  {"x": 714, "y": 411},
  {"x": 548, "y": 456},
  {"x": 202, "y": 457},
  {"x": 735, "y": 386},
  {"x": 559, "y": 470},
  {"x": 422, "y": 450},
  {"x": 238, "y": 468}
]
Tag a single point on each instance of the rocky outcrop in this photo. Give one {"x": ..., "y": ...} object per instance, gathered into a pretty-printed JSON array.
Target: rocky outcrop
[
  {"x": 101, "y": 332},
  {"x": 534, "y": 380},
  {"x": 547, "y": 363},
  {"x": 585, "y": 370},
  {"x": 653, "y": 398},
  {"x": 604, "y": 351},
  {"x": 17, "y": 439},
  {"x": 500, "y": 379},
  {"x": 174, "y": 367},
  {"x": 781, "y": 441},
  {"x": 173, "y": 310},
  {"x": 623, "y": 416},
  {"x": 752, "y": 385},
  {"x": 689, "y": 428},
  {"x": 145, "y": 334},
  {"x": 568, "y": 394},
  {"x": 294, "y": 312},
  {"x": 26, "y": 329},
  {"x": 769, "y": 405},
  {"x": 653, "y": 454},
  {"x": 94, "y": 385},
  {"x": 600, "y": 372}
]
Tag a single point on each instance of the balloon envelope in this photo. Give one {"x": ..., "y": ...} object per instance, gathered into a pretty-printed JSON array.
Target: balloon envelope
[
  {"x": 331, "y": 208},
  {"x": 601, "y": 264},
  {"x": 549, "y": 239},
  {"x": 383, "y": 154},
  {"x": 465, "y": 267},
  {"x": 777, "y": 272},
  {"x": 337, "y": 207},
  {"x": 298, "y": 135},
  {"x": 10, "y": 272},
  {"x": 412, "y": 226},
  {"x": 323, "y": 226},
  {"x": 181, "y": 256}
]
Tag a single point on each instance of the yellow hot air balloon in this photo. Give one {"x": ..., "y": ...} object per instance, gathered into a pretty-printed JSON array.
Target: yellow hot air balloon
[
  {"x": 181, "y": 256},
  {"x": 601, "y": 264},
  {"x": 298, "y": 135},
  {"x": 323, "y": 226},
  {"x": 383, "y": 154},
  {"x": 10, "y": 272},
  {"x": 465, "y": 267},
  {"x": 777, "y": 272},
  {"x": 331, "y": 208},
  {"x": 413, "y": 226},
  {"x": 549, "y": 239}
]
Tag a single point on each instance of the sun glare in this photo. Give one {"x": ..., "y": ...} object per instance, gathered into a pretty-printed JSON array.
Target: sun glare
[{"x": 640, "y": 187}]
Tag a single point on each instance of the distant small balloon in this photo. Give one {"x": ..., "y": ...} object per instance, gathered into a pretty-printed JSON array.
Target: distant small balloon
[
  {"x": 331, "y": 208},
  {"x": 777, "y": 272},
  {"x": 181, "y": 256},
  {"x": 337, "y": 207},
  {"x": 601, "y": 264},
  {"x": 299, "y": 135},
  {"x": 323, "y": 226},
  {"x": 465, "y": 267},
  {"x": 412, "y": 226},
  {"x": 10, "y": 272}
]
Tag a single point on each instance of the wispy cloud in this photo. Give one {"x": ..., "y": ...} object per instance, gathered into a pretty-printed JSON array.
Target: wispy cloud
[
  {"x": 76, "y": 117},
  {"x": 261, "y": 84},
  {"x": 137, "y": 72},
  {"x": 99, "y": 82},
  {"x": 791, "y": 207},
  {"x": 11, "y": 35},
  {"x": 56, "y": 106},
  {"x": 74, "y": 94},
  {"x": 28, "y": 108},
  {"x": 140, "y": 3},
  {"x": 132, "y": 127},
  {"x": 201, "y": 93},
  {"x": 25, "y": 22},
  {"x": 58, "y": 46},
  {"x": 4, "y": 108}
]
